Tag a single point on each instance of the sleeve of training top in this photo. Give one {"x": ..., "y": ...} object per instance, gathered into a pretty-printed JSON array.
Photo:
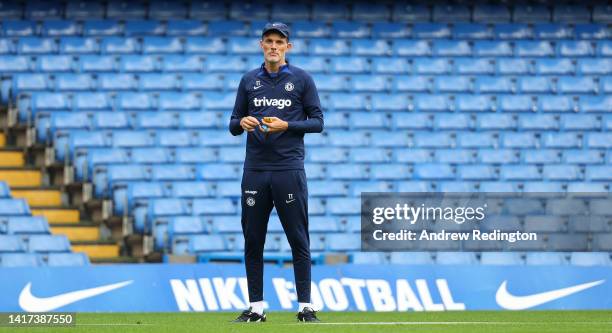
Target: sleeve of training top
[
  {"x": 312, "y": 107},
  {"x": 240, "y": 110}
]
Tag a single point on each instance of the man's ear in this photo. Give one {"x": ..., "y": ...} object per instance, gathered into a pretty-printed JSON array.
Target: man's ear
[{"x": 289, "y": 46}]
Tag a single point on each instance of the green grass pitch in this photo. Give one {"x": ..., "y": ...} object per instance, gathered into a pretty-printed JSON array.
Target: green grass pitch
[{"x": 336, "y": 322}]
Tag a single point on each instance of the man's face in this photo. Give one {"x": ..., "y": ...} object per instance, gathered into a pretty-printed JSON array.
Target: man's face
[{"x": 274, "y": 46}]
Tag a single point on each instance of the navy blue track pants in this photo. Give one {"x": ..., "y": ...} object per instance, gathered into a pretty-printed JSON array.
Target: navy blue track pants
[{"x": 287, "y": 191}]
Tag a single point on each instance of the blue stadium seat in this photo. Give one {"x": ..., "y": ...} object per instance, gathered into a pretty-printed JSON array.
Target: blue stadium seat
[
  {"x": 477, "y": 140},
  {"x": 150, "y": 155},
  {"x": 7, "y": 46},
  {"x": 102, "y": 28},
  {"x": 213, "y": 206},
  {"x": 348, "y": 171},
  {"x": 411, "y": 258},
  {"x": 599, "y": 140},
  {"x": 157, "y": 45},
  {"x": 554, "y": 66},
  {"x": 451, "y": 48},
  {"x": 431, "y": 103},
  {"x": 185, "y": 28},
  {"x": 492, "y": 48},
  {"x": 473, "y": 66},
  {"x": 501, "y": 258},
  {"x": 55, "y": 63},
  {"x": 327, "y": 155},
  {"x": 30, "y": 82},
  {"x": 561, "y": 172},
  {"x": 590, "y": 259},
  {"x": 531, "y": 13},
  {"x": 84, "y": 10},
  {"x": 433, "y": 140},
  {"x": 383, "y": 65},
  {"x": 207, "y": 10},
  {"x": 36, "y": 45},
  {"x": 599, "y": 103},
  {"x": 58, "y": 28},
  {"x": 327, "y": 82},
  {"x": 598, "y": 172},
  {"x": 590, "y": 31},
  {"x": 390, "y": 30},
  {"x": 384, "y": 138},
  {"x": 542, "y": 156},
  {"x": 12, "y": 28},
  {"x": 551, "y": 31},
  {"x": 368, "y": 154},
  {"x": 176, "y": 138},
  {"x": 67, "y": 259},
  {"x": 471, "y": 31},
  {"x": 137, "y": 63},
  {"x": 447, "y": 121},
  {"x": 255, "y": 11},
  {"x": 98, "y": 156},
  {"x": 206, "y": 243},
  {"x": 412, "y": 120},
  {"x": 134, "y": 101},
  {"x": 538, "y": 122},
  {"x": 493, "y": 84},
  {"x": 531, "y": 84},
  {"x": 511, "y": 66},
  {"x": 516, "y": 103},
  {"x": 551, "y": 103},
  {"x": 414, "y": 186},
  {"x": 411, "y": 48},
  {"x": 512, "y": 31},
  {"x": 350, "y": 29},
  {"x": 326, "y": 188},
  {"x": 310, "y": 64},
  {"x": 329, "y": 11},
  {"x": 602, "y": 13},
  {"x": 227, "y": 28},
  {"x": 118, "y": 45},
  {"x": 130, "y": 138},
  {"x": 178, "y": 101},
  {"x": 376, "y": 83},
  {"x": 498, "y": 187},
  {"x": 389, "y": 171},
  {"x": 594, "y": 66},
  {"x": 575, "y": 48},
  {"x": 433, "y": 171},
  {"x": 370, "y": 12},
  {"x": 158, "y": 81},
  {"x": 167, "y": 9},
  {"x": 583, "y": 157},
  {"x": 97, "y": 63},
  {"x": 198, "y": 119},
  {"x": 389, "y": 102},
  {"x": 48, "y": 243},
  {"x": 446, "y": 84},
  {"x": 50, "y": 101},
  {"x": 335, "y": 47},
  {"x": 456, "y": 258},
  {"x": 571, "y": 13},
  {"x": 414, "y": 83},
  {"x": 218, "y": 63},
  {"x": 74, "y": 82},
  {"x": 459, "y": 156},
  {"x": 310, "y": 29},
  {"x": 561, "y": 140},
  {"x": 92, "y": 101},
  {"x": 525, "y": 48},
  {"x": 368, "y": 47},
  {"x": 451, "y": 13},
  {"x": 243, "y": 45},
  {"x": 78, "y": 45},
  {"x": 431, "y": 66},
  {"x": 491, "y": 13},
  {"x": 348, "y": 138},
  {"x": 360, "y": 120},
  {"x": 546, "y": 187},
  {"x": 477, "y": 172},
  {"x": 473, "y": 103},
  {"x": 10, "y": 243},
  {"x": 501, "y": 156},
  {"x": 343, "y": 242},
  {"x": 345, "y": 101},
  {"x": 185, "y": 225},
  {"x": 367, "y": 258},
  {"x": 204, "y": 45},
  {"x": 19, "y": 260},
  {"x": 171, "y": 172},
  {"x": 181, "y": 63},
  {"x": 126, "y": 9},
  {"x": 143, "y": 27},
  {"x": 576, "y": 85},
  {"x": 117, "y": 81},
  {"x": 520, "y": 172}
]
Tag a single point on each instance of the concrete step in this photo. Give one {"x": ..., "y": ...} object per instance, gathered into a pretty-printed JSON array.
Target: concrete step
[
  {"x": 11, "y": 159},
  {"x": 57, "y": 215},
  {"x": 19, "y": 178},
  {"x": 39, "y": 197}
]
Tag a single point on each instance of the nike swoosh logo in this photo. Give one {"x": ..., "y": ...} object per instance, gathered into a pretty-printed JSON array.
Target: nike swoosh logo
[
  {"x": 256, "y": 87},
  {"x": 289, "y": 201},
  {"x": 511, "y": 302},
  {"x": 31, "y": 303}
]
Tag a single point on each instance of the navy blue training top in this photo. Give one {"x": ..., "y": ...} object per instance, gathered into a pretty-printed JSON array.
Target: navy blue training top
[{"x": 290, "y": 95}]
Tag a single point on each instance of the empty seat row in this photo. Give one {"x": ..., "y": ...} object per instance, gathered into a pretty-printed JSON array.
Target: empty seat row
[
  {"x": 34, "y": 243},
  {"x": 23, "y": 225},
  {"x": 133, "y": 63},
  {"x": 323, "y": 46},
  {"x": 484, "y": 258},
  {"x": 49, "y": 259}
]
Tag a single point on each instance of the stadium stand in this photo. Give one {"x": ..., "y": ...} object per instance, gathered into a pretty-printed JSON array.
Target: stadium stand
[{"x": 135, "y": 99}]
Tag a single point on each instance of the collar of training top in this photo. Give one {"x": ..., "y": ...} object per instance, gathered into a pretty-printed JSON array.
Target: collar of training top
[{"x": 283, "y": 69}]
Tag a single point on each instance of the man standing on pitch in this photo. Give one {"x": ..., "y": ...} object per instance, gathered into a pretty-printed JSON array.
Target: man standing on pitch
[{"x": 276, "y": 104}]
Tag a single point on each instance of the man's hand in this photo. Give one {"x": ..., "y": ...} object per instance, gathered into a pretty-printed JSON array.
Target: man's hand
[
  {"x": 274, "y": 125},
  {"x": 249, "y": 123}
]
